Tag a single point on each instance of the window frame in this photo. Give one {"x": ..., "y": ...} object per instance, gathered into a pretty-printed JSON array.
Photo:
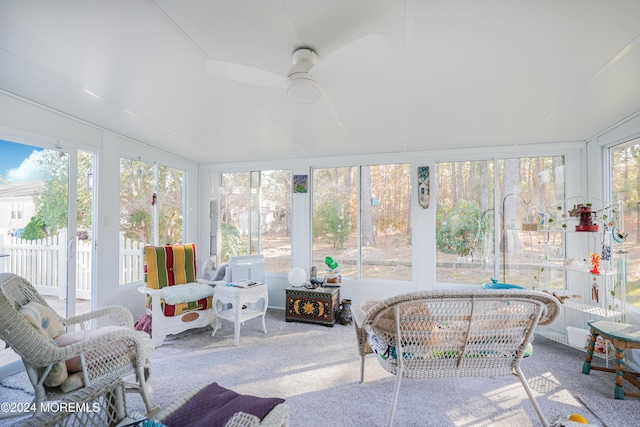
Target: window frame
[
  {"x": 253, "y": 190},
  {"x": 155, "y": 212},
  {"x": 574, "y": 162},
  {"x": 358, "y": 250}
]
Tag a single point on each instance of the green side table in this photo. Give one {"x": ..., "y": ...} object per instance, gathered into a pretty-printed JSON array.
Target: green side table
[{"x": 622, "y": 336}]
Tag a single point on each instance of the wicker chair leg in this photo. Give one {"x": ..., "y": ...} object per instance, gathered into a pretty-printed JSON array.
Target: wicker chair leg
[
  {"x": 396, "y": 392},
  {"x": 144, "y": 390},
  {"x": 532, "y": 398},
  {"x": 40, "y": 394},
  {"x": 362, "y": 368}
]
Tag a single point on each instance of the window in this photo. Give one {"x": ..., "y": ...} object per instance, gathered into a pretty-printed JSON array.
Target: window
[
  {"x": 16, "y": 210},
  {"x": 531, "y": 188},
  {"x": 466, "y": 234},
  {"x": 335, "y": 218},
  {"x": 625, "y": 183},
  {"x": 151, "y": 212},
  {"x": 465, "y": 221},
  {"x": 382, "y": 248},
  {"x": 255, "y": 209}
]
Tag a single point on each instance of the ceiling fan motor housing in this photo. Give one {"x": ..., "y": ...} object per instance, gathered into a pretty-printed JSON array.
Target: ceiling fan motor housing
[{"x": 302, "y": 87}]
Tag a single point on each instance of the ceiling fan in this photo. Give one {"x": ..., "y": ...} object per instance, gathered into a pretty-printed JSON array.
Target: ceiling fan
[{"x": 301, "y": 86}]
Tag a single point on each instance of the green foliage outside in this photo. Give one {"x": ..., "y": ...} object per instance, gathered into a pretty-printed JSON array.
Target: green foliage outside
[
  {"x": 331, "y": 224},
  {"x": 148, "y": 193},
  {"x": 51, "y": 203},
  {"x": 35, "y": 229},
  {"x": 456, "y": 227},
  {"x": 136, "y": 198},
  {"x": 232, "y": 243}
]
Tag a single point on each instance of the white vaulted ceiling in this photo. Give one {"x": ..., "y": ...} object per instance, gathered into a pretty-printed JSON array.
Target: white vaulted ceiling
[{"x": 397, "y": 76}]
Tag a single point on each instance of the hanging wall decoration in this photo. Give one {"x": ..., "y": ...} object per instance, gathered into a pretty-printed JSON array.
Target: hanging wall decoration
[
  {"x": 423, "y": 186},
  {"x": 300, "y": 183}
]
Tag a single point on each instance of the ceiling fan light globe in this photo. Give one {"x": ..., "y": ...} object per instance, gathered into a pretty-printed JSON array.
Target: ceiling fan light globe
[{"x": 303, "y": 89}]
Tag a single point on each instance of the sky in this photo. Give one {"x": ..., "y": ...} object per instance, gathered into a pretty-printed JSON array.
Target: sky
[{"x": 18, "y": 162}]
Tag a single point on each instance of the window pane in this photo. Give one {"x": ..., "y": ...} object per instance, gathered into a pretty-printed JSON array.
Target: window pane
[
  {"x": 255, "y": 211},
  {"x": 169, "y": 200},
  {"x": 136, "y": 192},
  {"x": 386, "y": 221},
  {"x": 465, "y": 250},
  {"x": 151, "y": 212},
  {"x": 334, "y": 222},
  {"x": 625, "y": 181},
  {"x": 531, "y": 191},
  {"x": 234, "y": 213},
  {"x": 275, "y": 208}
]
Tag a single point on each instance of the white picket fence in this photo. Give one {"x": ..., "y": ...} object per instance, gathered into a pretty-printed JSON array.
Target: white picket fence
[
  {"x": 43, "y": 262},
  {"x": 131, "y": 260}
]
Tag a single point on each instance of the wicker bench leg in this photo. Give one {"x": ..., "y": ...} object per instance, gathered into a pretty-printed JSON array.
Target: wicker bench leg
[
  {"x": 396, "y": 392},
  {"x": 532, "y": 398}
]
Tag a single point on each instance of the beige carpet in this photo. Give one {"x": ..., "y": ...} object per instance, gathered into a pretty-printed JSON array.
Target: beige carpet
[{"x": 316, "y": 368}]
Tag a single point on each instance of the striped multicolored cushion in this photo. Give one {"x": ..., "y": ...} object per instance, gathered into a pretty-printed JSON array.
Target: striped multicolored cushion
[{"x": 169, "y": 265}]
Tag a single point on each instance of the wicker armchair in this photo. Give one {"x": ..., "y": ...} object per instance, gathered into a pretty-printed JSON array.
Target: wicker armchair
[
  {"x": 436, "y": 334},
  {"x": 114, "y": 348}
]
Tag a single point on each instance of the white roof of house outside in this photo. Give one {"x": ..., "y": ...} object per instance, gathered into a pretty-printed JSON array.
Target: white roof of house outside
[{"x": 21, "y": 189}]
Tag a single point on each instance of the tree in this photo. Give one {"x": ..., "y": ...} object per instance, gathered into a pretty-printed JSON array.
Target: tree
[
  {"x": 35, "y": 229},
  {"x": 232, "y": 244},
  {"x": 331, "y": 222},
  {"x": 52, "y": 201},
  {"x": 151, "y": 192},
  {"x": 457, "y": 227}
]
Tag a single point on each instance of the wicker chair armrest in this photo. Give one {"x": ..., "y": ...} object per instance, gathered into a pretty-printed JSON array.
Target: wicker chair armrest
[
  {"x": 106, "y": 402},
  {"x": 358, "y": 315},
  {"x": 106, "y": 316},
  {"x": 134, "y": 340},
  {"x": 552, "y": 305},
  {"x": 362, "y": 331},
  {"x": 373, "y": 314},
  {"x": 277, "y": 417}
]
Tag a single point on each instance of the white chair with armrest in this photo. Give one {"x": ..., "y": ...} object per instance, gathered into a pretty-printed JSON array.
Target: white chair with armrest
[
  {"x": 58, "y": 359},
  {"x": 174, "y": 298}
]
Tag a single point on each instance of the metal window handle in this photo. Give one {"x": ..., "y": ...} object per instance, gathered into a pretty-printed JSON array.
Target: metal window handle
[{"x": 71, "y": 247}]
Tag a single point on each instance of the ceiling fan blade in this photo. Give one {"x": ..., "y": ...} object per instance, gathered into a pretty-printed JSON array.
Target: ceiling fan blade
[
  {"x": 244, "y": 73},
  {"x": 361, "y": 54}
]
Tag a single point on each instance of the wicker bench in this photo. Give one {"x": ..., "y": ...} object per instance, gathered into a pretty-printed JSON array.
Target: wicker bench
[{"x": 440, "y": 334}]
